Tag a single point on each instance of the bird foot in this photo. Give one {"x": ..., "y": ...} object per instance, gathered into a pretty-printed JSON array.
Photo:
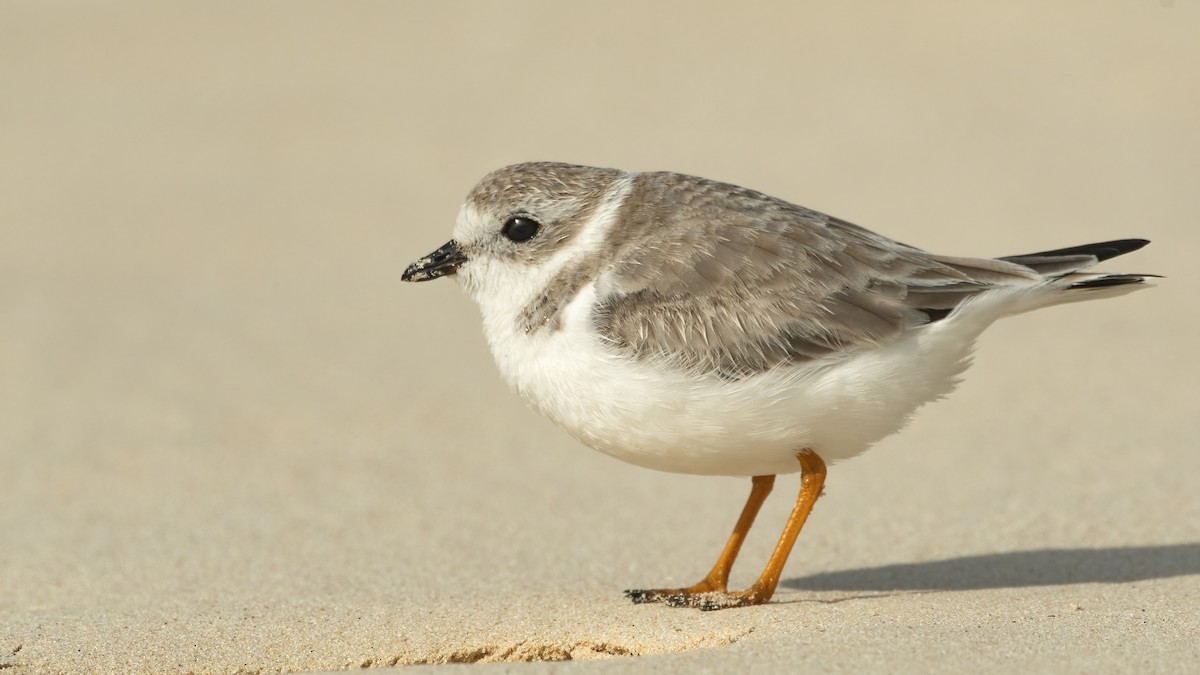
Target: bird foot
[
  {"x": 706, "y": 600},
  {"x": 663, "y": 595},
  {"x": 641, "y": 596}
]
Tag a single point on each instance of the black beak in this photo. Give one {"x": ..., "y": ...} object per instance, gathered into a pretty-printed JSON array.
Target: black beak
[{"x": 440, "y": 263}]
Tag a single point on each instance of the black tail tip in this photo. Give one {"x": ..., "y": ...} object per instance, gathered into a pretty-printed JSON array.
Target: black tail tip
[
  {"x": 1112, "y": 249},
  {"x": 1110, "y": 280},
  {"x": 1103, "y": 250}
]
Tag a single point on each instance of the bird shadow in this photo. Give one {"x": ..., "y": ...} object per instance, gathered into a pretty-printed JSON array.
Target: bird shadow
[{"x": 1015, "y": 569}]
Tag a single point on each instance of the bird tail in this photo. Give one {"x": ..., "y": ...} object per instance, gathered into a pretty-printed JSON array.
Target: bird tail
[{"x": 1065, "y": 270}]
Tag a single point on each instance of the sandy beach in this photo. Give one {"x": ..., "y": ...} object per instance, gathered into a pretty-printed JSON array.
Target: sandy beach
[{"x": 233, "y": 441}]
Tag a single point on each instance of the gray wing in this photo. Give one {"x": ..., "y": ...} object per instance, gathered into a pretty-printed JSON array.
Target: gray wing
[{"x": 717, "y": 278}]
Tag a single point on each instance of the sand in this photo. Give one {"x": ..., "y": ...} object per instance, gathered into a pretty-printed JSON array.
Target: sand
[{"x": 233, "y": 441}]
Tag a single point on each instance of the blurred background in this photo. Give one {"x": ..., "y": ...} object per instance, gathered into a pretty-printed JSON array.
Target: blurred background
[{"x": 210, "y": 369}]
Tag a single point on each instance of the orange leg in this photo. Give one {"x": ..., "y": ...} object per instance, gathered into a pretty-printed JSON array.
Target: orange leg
[
  {"x": 711, "y": 593},
  {"x": 718, "y": 576}
]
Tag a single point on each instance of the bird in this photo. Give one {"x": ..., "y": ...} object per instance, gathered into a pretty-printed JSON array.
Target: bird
[{"x": 694, "y": 326}]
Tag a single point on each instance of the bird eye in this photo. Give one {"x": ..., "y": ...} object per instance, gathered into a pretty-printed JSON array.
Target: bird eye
[{"x": 520, "y": 228}]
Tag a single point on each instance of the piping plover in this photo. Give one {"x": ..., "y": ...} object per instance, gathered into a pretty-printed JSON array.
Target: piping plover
[{"x": 693, "y": 326}]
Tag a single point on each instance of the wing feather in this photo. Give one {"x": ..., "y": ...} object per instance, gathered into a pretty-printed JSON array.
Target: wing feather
[{"x": 717, "y": 278}]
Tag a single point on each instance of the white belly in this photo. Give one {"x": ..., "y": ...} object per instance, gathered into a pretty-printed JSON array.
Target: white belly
[{"x": 671, "y": 421}]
